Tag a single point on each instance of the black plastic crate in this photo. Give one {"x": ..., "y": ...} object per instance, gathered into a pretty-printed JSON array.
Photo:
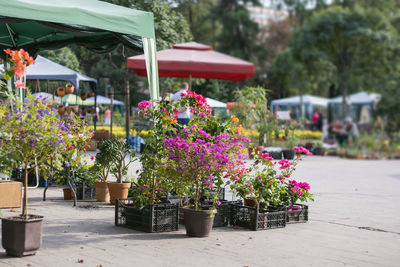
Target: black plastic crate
[
  {"x": 253, "y": 219},
  {"x": 152, "y": 218},
  {"x": 297, "y": 216},
  {"x": 222, "y": 217}
]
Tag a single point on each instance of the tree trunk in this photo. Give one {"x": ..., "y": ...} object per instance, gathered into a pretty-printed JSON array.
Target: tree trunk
[
  {"x": 196, "y": 201},
  {"x": 25, "y": 204}
]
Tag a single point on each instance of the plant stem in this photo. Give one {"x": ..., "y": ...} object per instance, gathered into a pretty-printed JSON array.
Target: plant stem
[
  {"x": 196, "y": 200},
  {"x": 25, "y": 204},
  {"x": 153, "y": 191}
]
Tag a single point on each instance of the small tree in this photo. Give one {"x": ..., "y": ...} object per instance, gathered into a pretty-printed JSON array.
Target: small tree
[{"x": 32, "y": 131}]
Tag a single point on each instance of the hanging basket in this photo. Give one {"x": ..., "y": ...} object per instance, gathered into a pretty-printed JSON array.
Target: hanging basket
[
  {"x": 83, "y": 111},
  {"x": 92, "y": 111},
  {"x": 91, "y": 94},
  {"x": 83, "y": 96},
  {"x": 69, "y": 88},
  {"x": 61, "y": 91}
]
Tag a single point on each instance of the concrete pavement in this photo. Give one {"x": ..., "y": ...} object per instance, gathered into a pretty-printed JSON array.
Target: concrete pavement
[{"x": 354, "y": 221}]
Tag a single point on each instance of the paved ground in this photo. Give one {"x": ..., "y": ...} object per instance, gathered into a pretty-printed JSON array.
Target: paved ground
[{"x": 354, "y": 221}]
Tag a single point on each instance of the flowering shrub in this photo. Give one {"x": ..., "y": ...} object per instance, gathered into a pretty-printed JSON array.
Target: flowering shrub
[
  {"x": 152, "y": 178},
  {"x": 200, "y": 159},
  {"x": 267, "y": 181},
  {"x": 32, "y": 131},
  {"x": 295, "y": 191}
]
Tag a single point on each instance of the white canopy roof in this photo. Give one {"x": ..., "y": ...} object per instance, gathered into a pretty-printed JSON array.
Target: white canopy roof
[
  {"x": 295, "y": 100},
  {"x": 105, "y": 100},
  {"x": 215, "y": 103},
  {"x": 358, "y": 98}
]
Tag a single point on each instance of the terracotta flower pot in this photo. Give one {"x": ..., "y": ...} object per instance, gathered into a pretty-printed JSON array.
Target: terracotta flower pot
[
  {"x": 69, "y": 88},
  {"x": 102, "y": 193},
  {"x": 61, "y": 109},
  {"x": 61, "y": 91},
  {"x": 118, "y": 190},
  {"x": 68, "y": 195},
  {"x": 92, "y": 110},
  {"x": 20, "y": 236},
  {"x": 91, "y": 94},
  {"x": 83, "y": 96},
  {"x": 198, "y": 223}
]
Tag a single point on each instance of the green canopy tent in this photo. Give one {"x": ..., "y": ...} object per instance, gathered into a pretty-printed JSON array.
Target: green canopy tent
[{"x": 96, "y": 25}]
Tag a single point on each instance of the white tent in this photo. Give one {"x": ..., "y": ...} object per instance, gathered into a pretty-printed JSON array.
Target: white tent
[
  {"x": 309, "y": 103},
  {"x": 102, "y": 100},
  {"x": 215, "y": 103},
  {"x": 361, "y": 106},
  {"x": 358, "y": 98}
]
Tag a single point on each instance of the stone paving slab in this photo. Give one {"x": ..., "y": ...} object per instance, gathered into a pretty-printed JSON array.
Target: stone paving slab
[{"x": 354, "y": 221}]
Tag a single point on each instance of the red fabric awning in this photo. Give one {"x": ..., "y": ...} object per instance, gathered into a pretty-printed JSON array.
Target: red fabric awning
[{"x": 196, "y": 59}]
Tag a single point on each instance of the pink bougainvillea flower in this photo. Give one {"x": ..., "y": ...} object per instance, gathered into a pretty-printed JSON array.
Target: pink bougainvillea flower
[{"x": 144, "y": 104}]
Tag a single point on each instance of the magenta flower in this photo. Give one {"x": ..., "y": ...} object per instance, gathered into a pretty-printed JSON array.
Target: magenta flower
[{"x": 144, "y": 104}]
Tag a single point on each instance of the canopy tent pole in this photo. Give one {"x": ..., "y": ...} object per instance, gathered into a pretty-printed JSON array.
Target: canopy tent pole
[{"x": 149, "y": 48}]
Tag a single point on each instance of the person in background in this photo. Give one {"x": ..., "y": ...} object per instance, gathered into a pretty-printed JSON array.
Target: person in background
[
  {"x": 351, "y": 129},
  {"x": 107, "y": 120},
  {"x": 316, "y": 120},
  {"x": 184, "y": 113}
]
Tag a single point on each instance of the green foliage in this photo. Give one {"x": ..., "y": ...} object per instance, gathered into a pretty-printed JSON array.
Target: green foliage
[
  {"x": 63, "y": 56},
  {"x": 118, "y": 151},
  {"x": 357, "y": 42},
  {"x": 252, "y": 109},
  {"x": 103, "y": 162}
]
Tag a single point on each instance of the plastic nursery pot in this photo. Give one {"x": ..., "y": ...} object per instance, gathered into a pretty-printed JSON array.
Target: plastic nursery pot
[
  {"x": 198, "y": 223},
  {"x": 22, "y": 236},
  {"x": 69, "y": 88},
  {"x": 288, "y": 154},
  {"x": 102, "y": 192},
  {"x": 118, "y": 190},
  {"x": 61, "y": 91}
]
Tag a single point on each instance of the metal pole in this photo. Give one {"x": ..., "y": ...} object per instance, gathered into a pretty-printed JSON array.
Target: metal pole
[
  {"x": 112, "y": 107},
  {"x": 127, "y": 105}
]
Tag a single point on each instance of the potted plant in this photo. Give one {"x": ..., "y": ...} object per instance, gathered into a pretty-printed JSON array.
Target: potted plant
[
  {"x": 31, "y": 133},
  {"x": 264, "y": 182},
  {"x": 119, "y": 167},
  {"x": 292, "y": 141},
  {"x": 197, "y": 158},
  {"x": 101, "y": 170},
  {"x": 149, "y": 207}
]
